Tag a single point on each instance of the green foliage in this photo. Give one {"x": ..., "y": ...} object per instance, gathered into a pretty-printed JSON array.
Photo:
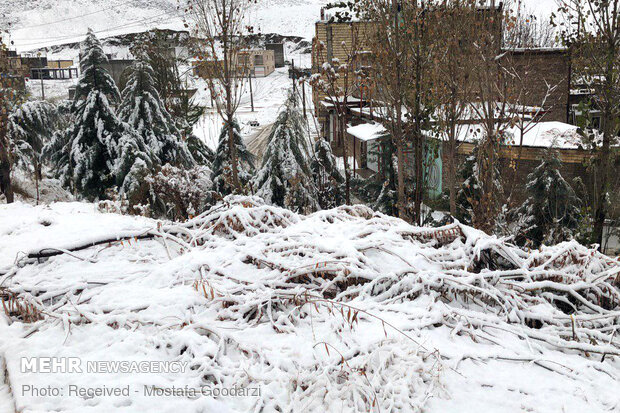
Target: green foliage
[
  {"x": 552, "y": 211},
  {"x": 285, "y": 166},
  {"x": 327, "y": 179},
  {"x": 222, "y": 166}
]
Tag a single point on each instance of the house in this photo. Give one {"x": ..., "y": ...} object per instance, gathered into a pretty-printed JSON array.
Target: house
[
  {"x": 543, "y": 97},
  {"x": 12, "y": 73},
  {"x": 257, "y": 62},
  {"x": 278, "y": 50},
  {"x": 253, "y": 62}
]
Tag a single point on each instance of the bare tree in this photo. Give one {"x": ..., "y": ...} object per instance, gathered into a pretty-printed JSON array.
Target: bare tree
[
  {"x": 221, "y": 29},
  {"x": 455, "y": 86},
  {"x": 490, "y": 108},
  {"x": 524, "y": 29},
  {"x": 338, "y": 79},
  {"x": 592, "y": 29}
]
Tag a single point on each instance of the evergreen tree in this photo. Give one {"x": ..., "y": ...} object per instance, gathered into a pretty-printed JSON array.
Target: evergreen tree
[
  {"x": 202, "y": 154},
  {"x": 326, "y": 176},
  {"x": 145, "y": 113},
  {"x": 93, "y": 76},
  {"x": 30, "y": 127},
  {"x": 97, "y": 150},
  {"x": 551, "y": 213},
  {"x": 222, "y": 169},
  {"x": 285, "y": 166}
]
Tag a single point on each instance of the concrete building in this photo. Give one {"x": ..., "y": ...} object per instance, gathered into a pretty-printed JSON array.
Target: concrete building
[
  {"x": 258, "y": 62},
  {"x": 278, "y": 50}
]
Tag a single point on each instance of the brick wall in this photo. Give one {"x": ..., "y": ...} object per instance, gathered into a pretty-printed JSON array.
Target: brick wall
[{"x": 540, "y": 69}]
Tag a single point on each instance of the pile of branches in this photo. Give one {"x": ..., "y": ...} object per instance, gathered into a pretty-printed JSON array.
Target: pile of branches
[{"x": 327, "y": 277}]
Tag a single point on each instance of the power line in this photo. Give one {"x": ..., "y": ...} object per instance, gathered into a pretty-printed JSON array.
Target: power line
[
  {"x": 152, "y": 19},
  {"x": 70, "y": 18}
]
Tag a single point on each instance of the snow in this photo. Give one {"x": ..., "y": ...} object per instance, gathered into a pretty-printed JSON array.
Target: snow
[
  {"x": 51, "y": 22},
  {"x": 367, "y": 131},
  {"x": 341, "y": 310},
  {"x": 548, "y": 134}
]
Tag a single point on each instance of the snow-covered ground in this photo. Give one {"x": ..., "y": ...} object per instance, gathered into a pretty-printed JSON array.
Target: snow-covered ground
[
  {"x": 342, "y": 310},
  {"x": 269, "y": 95}
]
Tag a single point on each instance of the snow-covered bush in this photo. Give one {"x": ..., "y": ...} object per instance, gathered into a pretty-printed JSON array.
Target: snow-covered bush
[
  {"x": 340, "y": 310},
  {"x": 179, "y": 193}
]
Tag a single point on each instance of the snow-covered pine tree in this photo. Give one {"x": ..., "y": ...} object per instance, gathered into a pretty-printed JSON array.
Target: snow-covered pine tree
[
  {"x": 285, "y": 166},
  {"x": 222, "y": 170},
  {"x": 30, "y": 126},
  {"x": 97, "y": 151},
  {"x": 551, "y": 213},
  {"x": 144, "y": 112},
  {"x": 93, "y": 76},
  {"x": 469, "y": 191},
  {"x": 202, "y": 154},
  {"x": 326, "y": 176}
]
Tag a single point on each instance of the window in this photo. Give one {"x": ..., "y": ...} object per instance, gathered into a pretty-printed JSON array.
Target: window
[{"x": 258, "y": 60}]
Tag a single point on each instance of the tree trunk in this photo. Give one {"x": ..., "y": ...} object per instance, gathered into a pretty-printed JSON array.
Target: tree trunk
[
  {"x": 601, "y": 207},
  {"x": 345, "y": 157},
  {"x": 5, "y": 177},
  {"x": 452, "y": 171},
  {"x": 402, "y": 210},
  {"x": 608, "y": 132}
]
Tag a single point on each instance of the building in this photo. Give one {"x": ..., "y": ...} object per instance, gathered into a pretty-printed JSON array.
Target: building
[
  {"x": 278, "y": 50},
  {"x": 12, "y": 72},
  {"x": 254, "y": 62},
  {"x": 259, "y": 63},
  {"x": 544, "y": 74},
  {"x": 118, "y": 69}
]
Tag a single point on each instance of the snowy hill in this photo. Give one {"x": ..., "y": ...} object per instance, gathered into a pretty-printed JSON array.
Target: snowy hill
[
  {"x": 51, "y": 22},
  {"x": 342, "y": 310}
]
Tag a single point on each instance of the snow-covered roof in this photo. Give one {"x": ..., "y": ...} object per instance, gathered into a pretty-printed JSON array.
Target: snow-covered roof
[
  {"x": 548, "y": 134},
  {"x": 367, "y": 131}
]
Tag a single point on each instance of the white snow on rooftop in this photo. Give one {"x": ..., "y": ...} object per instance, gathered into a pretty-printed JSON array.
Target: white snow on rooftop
[{"x": 367, "y": 131}]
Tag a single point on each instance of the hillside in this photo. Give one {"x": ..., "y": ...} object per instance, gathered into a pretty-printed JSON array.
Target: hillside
[
  {"x": 51, "y": 22},
  {"x": 341, "y": 310}
]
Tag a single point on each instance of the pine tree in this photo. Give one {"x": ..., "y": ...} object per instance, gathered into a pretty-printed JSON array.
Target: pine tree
[
  {"x": 222, "y": 170},
  {"x": 145, "y": 113},
  {"x": 93, "y": 76},
  {"x": 285, "y": 166},
  {"x": 202, "y": 154},
  {"x": 551, "y": 213},
  {"x": 30, "y": 127},
  {"x": 326, "y": 176},
  {"x": 97, "y": 151}
]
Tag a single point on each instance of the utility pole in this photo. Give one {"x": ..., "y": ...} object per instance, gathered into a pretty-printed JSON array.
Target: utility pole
[
  {"x": 303, "y": 93},
  {"x": 294, "y": 75},
  {"x": 42, "y": 84},
  {"x": 251, "y": 92}
]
